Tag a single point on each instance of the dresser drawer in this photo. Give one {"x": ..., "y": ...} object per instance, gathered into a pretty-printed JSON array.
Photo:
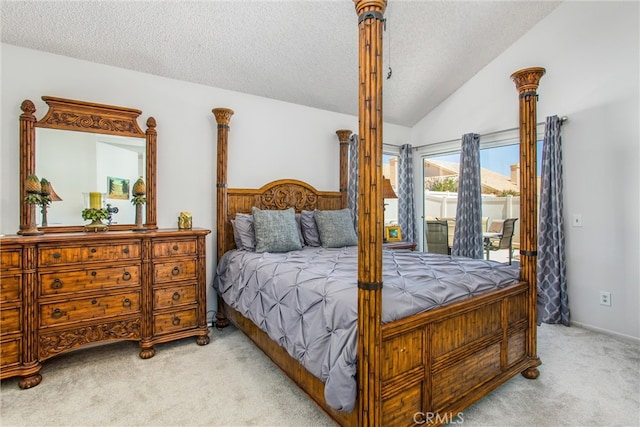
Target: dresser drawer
[
  {"x": 10, "y": 352},
  {"x": 10, "y": 320},
  {"x": 174, "y": 270},
  {"x": 177, "y": 295},
  {"x": 87, "y": 253},
  {"x": 10, "y": 288},
  {"x": 61, "y": 282},
  {"x": 174, "y": 247},
  {"x": 175, "y": 321},
  {"x": 10, "y": 258},
  {"x": 96, "y": 308}
]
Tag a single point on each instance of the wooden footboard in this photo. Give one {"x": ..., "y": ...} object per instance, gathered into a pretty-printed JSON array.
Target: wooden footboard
[
  {"x": 434, "y": 364},
  {"x": 437, "y": 363}
]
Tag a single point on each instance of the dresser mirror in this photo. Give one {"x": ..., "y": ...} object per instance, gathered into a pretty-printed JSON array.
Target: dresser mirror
[{"x": 86, "y": 149}]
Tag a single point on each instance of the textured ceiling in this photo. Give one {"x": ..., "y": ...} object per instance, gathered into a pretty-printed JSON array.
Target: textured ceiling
[{"x": 297, "y": 51}]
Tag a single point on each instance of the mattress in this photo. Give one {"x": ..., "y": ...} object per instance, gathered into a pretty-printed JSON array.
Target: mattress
[{"x": 306, "y": 300}]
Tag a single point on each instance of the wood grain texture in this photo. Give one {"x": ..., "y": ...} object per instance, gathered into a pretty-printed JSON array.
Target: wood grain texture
[
  {"x": 343, "y": 138},
  {"x": 527, "y": 81},
  {"x": 223, "y": 118},
  {"x": 370, "y": 210},
  {"x": 65, "y": 291}
]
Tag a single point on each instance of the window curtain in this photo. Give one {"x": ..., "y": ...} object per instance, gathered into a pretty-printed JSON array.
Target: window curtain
[
  {"x": 553, "y": 301},
  {"x": 406, "y": 205},
  {"x": 352, "y": 184},
  {"x": 467, "y": 237}
]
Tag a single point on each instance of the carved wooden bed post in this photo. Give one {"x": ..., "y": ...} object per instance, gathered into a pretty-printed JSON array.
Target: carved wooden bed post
[
  {"x": 27, "y": 163},
  {"x": 223, "y": 118},
  {"x": 343, "y": 137},
  {"x": 370, "y": 213},
  {"x": 526, "y": 81}
]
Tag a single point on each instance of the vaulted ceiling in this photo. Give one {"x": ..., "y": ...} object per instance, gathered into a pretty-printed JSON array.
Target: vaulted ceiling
[{"x": 299, "y": 51}]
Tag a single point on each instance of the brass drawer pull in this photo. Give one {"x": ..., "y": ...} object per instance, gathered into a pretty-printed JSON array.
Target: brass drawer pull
[
  {"x": 56, "y": 255},
  {"x": 94, "y": 250},
  {"x": 126, "y": 303},
  {"x": 94, "y": 301},
  {"x": 57, "y": 283},
  {"x": 175, "y": 247},
  {"x": 57, "y": 313},
  {"x": 126, "y": 275},
  {"x": 176, "y": 296},
  {"x": 94, "y": 273},
  {"x": 175, "y": 271},
  {"x": 126, "y": 250},
  {"x": 175, "y": 320}
]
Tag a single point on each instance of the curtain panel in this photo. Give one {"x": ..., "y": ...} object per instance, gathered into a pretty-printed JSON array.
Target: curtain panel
[
  {"x": 353, "y": 178},
  {"x": 406, "y": 203},
  {"x": 467, "y": 237},
  {"x": 553, "y": 301}
]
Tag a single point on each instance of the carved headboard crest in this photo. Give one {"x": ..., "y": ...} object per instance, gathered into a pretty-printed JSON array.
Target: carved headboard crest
[{"x": 284, "y": 196}]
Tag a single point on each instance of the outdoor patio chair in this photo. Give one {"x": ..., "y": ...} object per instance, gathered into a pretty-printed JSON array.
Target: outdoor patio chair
[
  {"x": 437, "y": 236},
  {"x": 504, "y": 241}
]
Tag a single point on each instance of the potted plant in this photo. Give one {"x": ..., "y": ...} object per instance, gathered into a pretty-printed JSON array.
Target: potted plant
[{"x": 95, "y": 216}]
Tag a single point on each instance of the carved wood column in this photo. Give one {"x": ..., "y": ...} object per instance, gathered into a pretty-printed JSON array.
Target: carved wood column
[
  {"x": 146, "y": 322},
  {"x": 203, "y": 338},
  {"x": 31, "y": 366},
  {"x": 28, "y": 161},
  {"x": 151, "y": 137},
  {"x": 343, "y": 137},
  {"x": 526, "y": 82},
  {"x": 223, "y": 118},
  {"x": 370, "y": 213}
]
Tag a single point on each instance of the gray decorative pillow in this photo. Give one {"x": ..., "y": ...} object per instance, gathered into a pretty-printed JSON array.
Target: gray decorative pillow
[
  {"x": 243, "y": 232},
  {"x": 336, "y": 228},
  {"x": 299, "y": 229},
  {"x": 309, "y": 228},
  {"x": 276, "y": 231}
]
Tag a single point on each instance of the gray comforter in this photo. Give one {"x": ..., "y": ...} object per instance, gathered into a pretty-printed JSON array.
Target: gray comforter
[{"x": 307, "y": 300}]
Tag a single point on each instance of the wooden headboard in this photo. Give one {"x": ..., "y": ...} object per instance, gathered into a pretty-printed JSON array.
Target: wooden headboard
[
  {"x": 279, "y": 194},
  {"x": 276, "y": 195}
]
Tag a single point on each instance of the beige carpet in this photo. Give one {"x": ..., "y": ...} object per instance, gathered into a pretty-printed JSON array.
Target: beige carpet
[{"x": 587, "y": 379}]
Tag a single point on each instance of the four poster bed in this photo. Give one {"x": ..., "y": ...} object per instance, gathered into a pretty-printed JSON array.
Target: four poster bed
[{"x": 424, "y": 365}]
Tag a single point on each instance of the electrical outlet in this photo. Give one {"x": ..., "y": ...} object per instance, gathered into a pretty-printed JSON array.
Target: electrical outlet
[{"x": 605, "y": 298}]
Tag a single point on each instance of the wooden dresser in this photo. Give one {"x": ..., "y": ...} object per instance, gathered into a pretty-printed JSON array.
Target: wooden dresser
[{"x": 62, "y": 291}]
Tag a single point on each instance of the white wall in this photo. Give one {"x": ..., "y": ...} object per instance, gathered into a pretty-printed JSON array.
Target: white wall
[
  {"x": 591, "y": 53},
  {"x": 268, "y": 140},
  {"x": 117, "y": 162}
]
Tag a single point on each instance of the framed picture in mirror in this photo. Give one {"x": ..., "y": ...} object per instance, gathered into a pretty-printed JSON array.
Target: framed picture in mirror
[
  {"x": 118, "y": 188},
  {"x": 392, "y": 233}
]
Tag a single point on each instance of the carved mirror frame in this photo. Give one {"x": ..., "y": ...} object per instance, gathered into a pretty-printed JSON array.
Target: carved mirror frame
[{"x": 69, "y": 114}]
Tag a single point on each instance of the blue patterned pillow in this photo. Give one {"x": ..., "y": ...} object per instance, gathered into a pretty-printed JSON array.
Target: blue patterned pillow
[
  {"x": 336, "y": 228},
  {"x": 276, "y": 231}
]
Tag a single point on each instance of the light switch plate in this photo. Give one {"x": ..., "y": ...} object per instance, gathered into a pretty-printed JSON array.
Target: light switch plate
[{"x": 576, "y": 220}]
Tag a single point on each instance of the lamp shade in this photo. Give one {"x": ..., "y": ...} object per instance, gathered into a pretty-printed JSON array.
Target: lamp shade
[
  {"x": 387, "y": 189},
  {"x": 53, "y": 196}
]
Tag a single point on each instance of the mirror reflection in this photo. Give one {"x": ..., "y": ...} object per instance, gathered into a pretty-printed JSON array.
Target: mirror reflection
[{"x": 80, "y": 163}]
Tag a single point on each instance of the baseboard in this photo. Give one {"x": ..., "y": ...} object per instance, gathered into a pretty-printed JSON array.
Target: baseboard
[{"x": 635, "y": 340}]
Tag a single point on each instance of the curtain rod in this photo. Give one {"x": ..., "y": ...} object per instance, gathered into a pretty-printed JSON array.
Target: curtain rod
[{"x": 562, "y": 120}]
